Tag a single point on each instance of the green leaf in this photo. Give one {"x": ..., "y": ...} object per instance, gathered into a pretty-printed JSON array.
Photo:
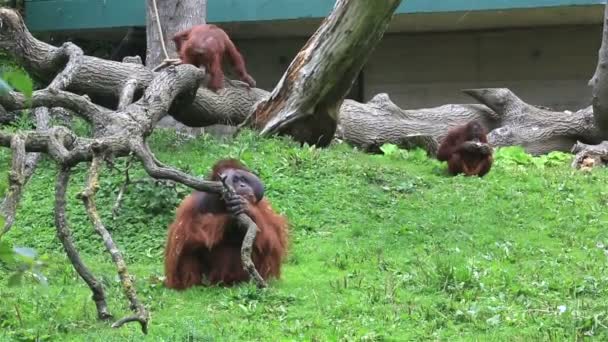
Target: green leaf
[
  {"x": 389, "y": 149},
  {"x": 4, "y": 87},
  {"x": 20, "y": 81},
  {"x": 25, "y": 252}
]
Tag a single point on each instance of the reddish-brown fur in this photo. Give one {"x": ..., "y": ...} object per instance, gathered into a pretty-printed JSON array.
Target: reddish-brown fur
[
  {"x": 206, "y": 45},
  {"x": 206, "y": 244},
  {"x": 459, "y": 160}
]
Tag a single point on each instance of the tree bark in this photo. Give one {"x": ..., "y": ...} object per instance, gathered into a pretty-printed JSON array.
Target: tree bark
[
  {"x": 599, "y": 82},
  {"x": 305, "y": 103},
  {"x": 588, "y": 156},
  {"x": 379, "y": 121}
]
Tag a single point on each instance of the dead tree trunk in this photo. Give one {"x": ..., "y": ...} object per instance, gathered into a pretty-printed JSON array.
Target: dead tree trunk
[
  {"x": 590, "y": 155},
  {"x": 599, "y": 81},
  {"x": 306, "y": 102}
]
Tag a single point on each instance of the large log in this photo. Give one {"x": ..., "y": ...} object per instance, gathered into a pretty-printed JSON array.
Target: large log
[{"x": 368, "y": 125}]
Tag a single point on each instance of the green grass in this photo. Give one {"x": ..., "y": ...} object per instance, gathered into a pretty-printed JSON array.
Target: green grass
[{"x": 382, "y": 248}]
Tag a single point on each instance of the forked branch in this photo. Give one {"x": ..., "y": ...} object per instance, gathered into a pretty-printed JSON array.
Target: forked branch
[
  {"x": 64, "y": 235},
  {"x": 140, "y": 315}
]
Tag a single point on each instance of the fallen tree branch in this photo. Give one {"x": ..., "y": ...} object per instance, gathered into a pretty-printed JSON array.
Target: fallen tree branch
[
  {"x": 16, "y": 180},
  {"x": 379, "y": 121},
  {"x": 65, "y": 236},
  {"x": 538, "y": 130},
  {"x": 141, "y": 315},
  {"x": 123, "y": 188},
  {"x": 22, "y": 169},
  {"x": 251, "y": 230},
  {"x": 74, "y": 55}
]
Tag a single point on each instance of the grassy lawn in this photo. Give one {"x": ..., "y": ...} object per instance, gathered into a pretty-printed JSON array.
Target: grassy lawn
[{"x": 383, "y": 247}]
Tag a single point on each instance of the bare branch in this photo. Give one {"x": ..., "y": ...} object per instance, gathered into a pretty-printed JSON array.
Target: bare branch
[
  {"x": 127, "y": 93},
  {"x": 158, "y": 170},
  {"x": 51, "y": 98},
  {"x": 65, "y": 236},
  {"x": 16, "y": 180},
  {"x": 88, "y": 197},
  {"x": 122, "y": 189},
  {"x": 74, "y": 55},
  {"x": 22, "y": 169}
]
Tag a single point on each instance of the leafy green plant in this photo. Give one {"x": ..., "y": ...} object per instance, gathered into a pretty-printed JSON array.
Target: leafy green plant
[
  {"x": 23, "y": 263},
  {"x": 516, "y": 155},
  {"x": 19, "y": 80},
  {"x": 393, "y": 151}
]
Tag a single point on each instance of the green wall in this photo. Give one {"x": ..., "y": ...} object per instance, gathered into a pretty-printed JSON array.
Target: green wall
[{"x": 48, "y": 15}]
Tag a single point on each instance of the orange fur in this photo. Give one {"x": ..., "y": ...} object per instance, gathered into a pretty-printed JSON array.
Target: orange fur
[
  {"x": 206, "y": 45},
  {"x": 459, "y": 161},
  {"x": 205, "y": 247}
]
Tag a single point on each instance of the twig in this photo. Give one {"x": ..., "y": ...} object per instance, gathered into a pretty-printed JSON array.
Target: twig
[
  {"x": 123, "y": 187},
  {"x": 167, "y": 62},
  {"x": 246, "y": 248},
  {"x": 16, "y": 181},
  {"x": 65, "y": 236},
  {"x": 18, "y": 315},
  {"x": 141, "y": 315}
]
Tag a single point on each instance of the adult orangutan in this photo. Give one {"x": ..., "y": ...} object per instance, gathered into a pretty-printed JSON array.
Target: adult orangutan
[
  {"x": 206, "y": 45},
  {"x": 466, "y": 150},
  {"x": 204, "y": 241}
]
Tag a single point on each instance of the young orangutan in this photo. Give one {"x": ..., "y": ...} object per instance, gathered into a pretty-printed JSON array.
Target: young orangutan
[
  {"x": 466, "y": 150},
  {"x": 206, "y": 45}
]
